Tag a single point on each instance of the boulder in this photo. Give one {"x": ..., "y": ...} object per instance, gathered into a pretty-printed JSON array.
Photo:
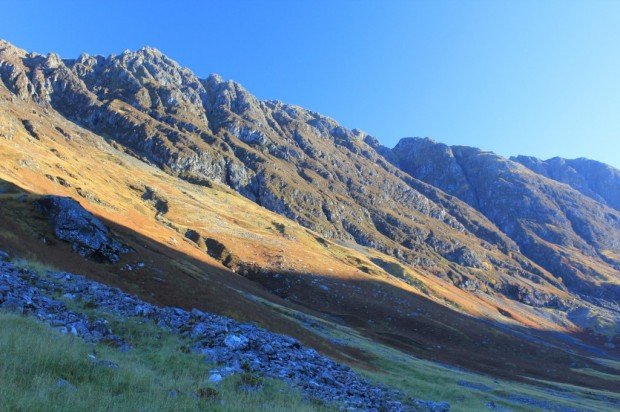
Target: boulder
[
  {"x": 87, "y": 235},
  {"x": 65, "y": 384},
  {"x": 236, "y": 342},
  {"x": 12, "y": 304},
  {"x": 215, "y": 378}
]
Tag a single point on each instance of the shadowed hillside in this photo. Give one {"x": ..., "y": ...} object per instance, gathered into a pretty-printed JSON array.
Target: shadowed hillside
[{"x": 269, "y": 213}]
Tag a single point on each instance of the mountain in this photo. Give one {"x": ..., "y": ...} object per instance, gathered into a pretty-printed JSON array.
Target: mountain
[
  {"x": 566, "y": 232},
  {"x": 294, "y": 162},
  {"x": 594, "y": 179},
  {"x": 270, "y": 213}
]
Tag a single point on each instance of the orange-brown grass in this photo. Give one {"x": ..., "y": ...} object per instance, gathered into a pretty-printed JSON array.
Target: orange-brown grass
[{"x": 419, "y": 313}]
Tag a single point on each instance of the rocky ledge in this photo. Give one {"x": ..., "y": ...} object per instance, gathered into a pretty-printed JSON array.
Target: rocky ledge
[{"x": 232, "y": 346}]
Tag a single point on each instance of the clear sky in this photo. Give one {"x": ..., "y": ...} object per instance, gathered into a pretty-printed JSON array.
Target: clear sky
[{"x": 521, "y": 77}]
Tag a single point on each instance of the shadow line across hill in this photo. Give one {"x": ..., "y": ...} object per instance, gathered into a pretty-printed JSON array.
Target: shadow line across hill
[{"x": 378, "y": 310}]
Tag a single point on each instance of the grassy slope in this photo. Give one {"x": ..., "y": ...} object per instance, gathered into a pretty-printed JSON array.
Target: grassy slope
[
  {"x": 106, "y": 177},
  {"x": 254, "y": 234},
  {"x": 192, "y": 279},
  {"x": 33, "y": 358},
  {"x": 426, "y": 379}
]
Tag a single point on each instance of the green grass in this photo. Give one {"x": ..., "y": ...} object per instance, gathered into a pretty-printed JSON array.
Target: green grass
[
  {"x": 424, "y": 379},
  {"x": 428, "y": 380},
  {"x": 33, "y": 357},
  {"x": 598, "y": 374},
  {"x": 34, "y": 265}
]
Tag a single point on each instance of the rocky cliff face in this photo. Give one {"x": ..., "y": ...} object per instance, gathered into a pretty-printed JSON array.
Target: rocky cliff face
[
  {"x": 563, "y": 230},
  {"x": 594, "y": 179},
  {"x": 475, "y": 219},
  {"x": 295, "y": 162}
]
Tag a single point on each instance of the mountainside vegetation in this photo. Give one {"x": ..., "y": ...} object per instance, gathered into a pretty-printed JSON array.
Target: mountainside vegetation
[{"x": 390, "y": 260}]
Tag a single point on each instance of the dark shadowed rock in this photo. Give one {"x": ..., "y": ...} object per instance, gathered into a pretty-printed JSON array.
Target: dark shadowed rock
[
  {"x": 31, "y": 129},
  {"x": 12, "y": 304},
  {"x": 87, "y": 235}
]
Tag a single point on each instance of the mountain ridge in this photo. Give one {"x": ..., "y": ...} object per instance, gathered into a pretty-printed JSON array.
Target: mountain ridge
[
  {"x": 393, "y": 242},
  {"x": 193, "y": 129},
  {"x": 458, "y": 169}
]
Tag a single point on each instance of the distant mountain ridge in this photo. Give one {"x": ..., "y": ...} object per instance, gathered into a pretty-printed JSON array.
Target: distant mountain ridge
[
  {"x": 594, "y": 179},
  {"x": 556, "y": 226}
]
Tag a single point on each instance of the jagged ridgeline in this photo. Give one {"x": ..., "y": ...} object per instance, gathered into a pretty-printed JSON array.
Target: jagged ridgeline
[
  {"x": 513, "y": 240},
  {"x": 292, "y": 161}
]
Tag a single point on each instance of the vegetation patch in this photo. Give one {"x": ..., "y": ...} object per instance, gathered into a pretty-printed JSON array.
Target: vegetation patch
[{"x": 41, "y": 369}]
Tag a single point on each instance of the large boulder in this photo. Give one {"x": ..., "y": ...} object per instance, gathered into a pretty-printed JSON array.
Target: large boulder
[{"x": 88, "y": 236}]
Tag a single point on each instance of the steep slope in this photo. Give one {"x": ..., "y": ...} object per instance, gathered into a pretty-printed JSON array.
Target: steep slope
[
  {"x": 569, "y": 234},
  {"x": 440, "y": 280},
  {"x": 594, "y": 179},
  {"x": 184, "y": 236},
  {"x": 294, "y": 162}
]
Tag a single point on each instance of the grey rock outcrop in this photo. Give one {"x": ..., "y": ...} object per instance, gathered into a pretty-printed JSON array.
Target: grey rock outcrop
[
  {"x": 553, "y": 224},
  {"x": 87, "y": 235},
  {"x": 594, "y": 179}
]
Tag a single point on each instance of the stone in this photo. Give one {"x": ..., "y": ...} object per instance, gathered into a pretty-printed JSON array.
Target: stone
[
  {"x": 236, "y": 342},
  {"x": 107, "y": 364},
  {"x": 65, "y": 384},
  {"x": 211, "y": 355},
  {"x": 12, "y": 304},
  {"x": 268, "y": 349},
  {"x": 215, "y": 378},
  {"x": 199, "y": 329},
  {"x": 143, "y": 310},
  {"x": 87, "y": 235}
]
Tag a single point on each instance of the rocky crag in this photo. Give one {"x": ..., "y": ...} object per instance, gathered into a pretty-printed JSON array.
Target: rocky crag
[
  {"x": 295, "y": 162},
  {"x": 561, "y": 227},
  {"x": 596, "y": 180}
]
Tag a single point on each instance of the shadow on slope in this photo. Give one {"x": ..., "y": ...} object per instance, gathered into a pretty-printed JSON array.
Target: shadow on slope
[{"x": 379, "y": 310}]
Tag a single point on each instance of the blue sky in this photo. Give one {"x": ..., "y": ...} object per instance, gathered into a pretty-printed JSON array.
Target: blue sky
[{"x": 520, "y": 77}]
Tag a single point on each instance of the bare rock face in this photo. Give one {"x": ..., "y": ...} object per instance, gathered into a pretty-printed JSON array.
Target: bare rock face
[
  {"x": 444, "y": 171},
  {"x": 88, "y": 236},
  {"x": 554, "y": 225},
  {"x": 430, "y": 205},
  {"x": 297, "y": 163},
  {"x": 594, "y": 179}
]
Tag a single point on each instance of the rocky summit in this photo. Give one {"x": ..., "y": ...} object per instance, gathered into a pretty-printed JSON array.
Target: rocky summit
[
  {"x": 277, "y": 244},
  {"x": 559, "y": 227}
]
